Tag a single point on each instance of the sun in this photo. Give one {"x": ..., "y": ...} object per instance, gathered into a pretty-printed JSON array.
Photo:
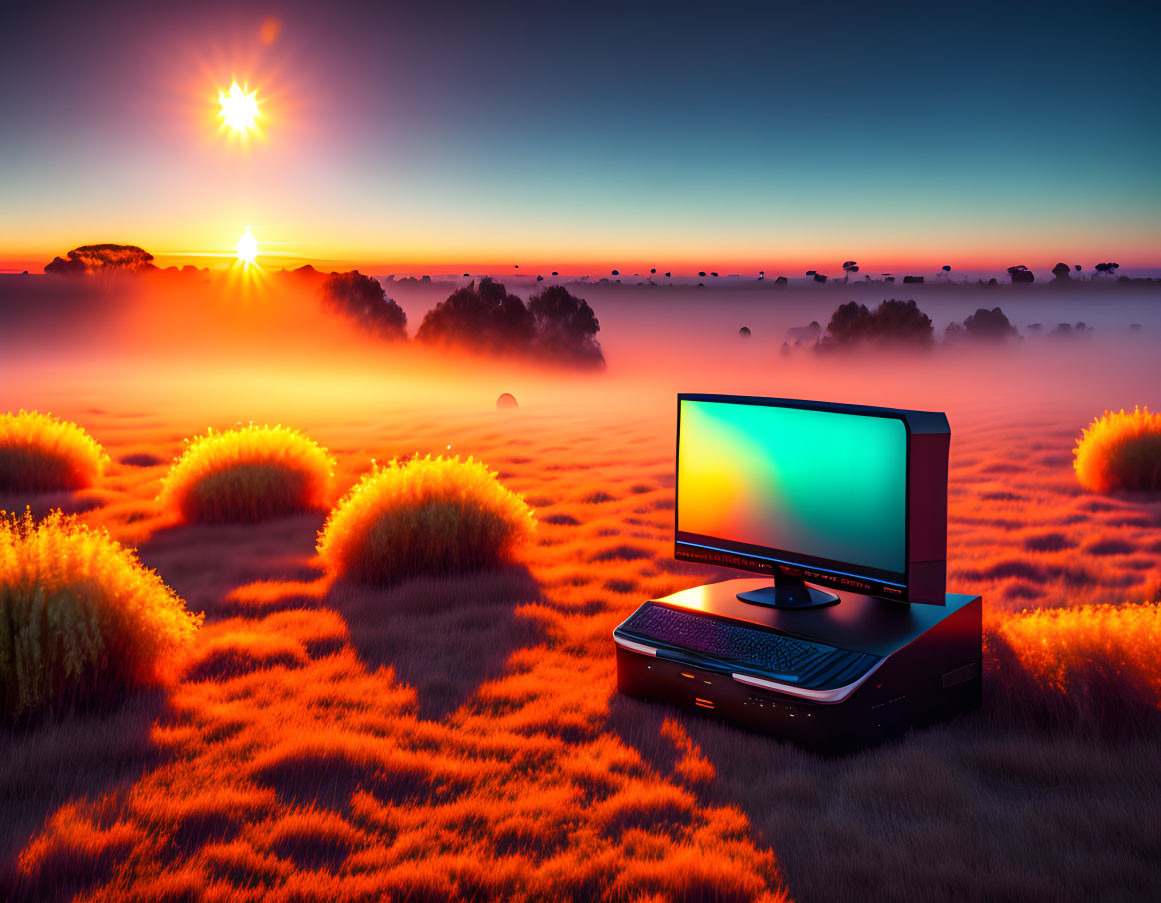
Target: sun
[
  {"x": 239, "y": 111},
  {"x": 247, "y": 247}
]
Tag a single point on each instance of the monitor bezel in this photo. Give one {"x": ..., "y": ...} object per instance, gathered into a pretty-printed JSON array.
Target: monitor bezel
[{"x": 813, "y": 569}]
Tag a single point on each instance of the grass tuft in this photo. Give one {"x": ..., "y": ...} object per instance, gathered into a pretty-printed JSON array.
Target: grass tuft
[
  {"x": 40, "y": 453},
  {"x": 80, "y": 616},
  {"x": 247, "y": 475},
  {"x": 426, "y": 516},
  {"x": 1120, "y": 451},
  {"x": 1090, "y": 667}
]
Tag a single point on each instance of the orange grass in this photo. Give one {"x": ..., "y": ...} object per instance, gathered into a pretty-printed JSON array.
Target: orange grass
[
  {"x": 1120, "y": 451},
  {"x": 425, "y": 516},
  {"x": 40, "y": 453},
  {"x": 80, "y": 616},
  {"x": 298, "y": 762},
  {"x": 1093, "y": 664},
  {"x": 248, "y": 474}
]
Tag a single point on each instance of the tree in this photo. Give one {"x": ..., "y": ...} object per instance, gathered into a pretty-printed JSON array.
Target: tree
[
  {"x": 1107, "y": 268},
  {"x": 1061, "y": 272},
  {"x": 894, "y": 322},
  {"x": 89, "y": 259},
  {"x": 483, "y": 318},
  {"x": 565, "y": 328},
  {"x": 362, "y": 300},
  {"x": 849, "y": 267},
  {"x": 1021, "y": 274},
  {"x": 991, "y": 325}
]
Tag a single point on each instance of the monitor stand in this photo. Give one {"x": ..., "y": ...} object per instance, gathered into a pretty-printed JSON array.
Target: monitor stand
[{"x": 789, "y": 592}]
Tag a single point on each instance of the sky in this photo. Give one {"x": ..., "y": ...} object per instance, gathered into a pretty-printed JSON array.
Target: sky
[{"x": 729, "y": 137}]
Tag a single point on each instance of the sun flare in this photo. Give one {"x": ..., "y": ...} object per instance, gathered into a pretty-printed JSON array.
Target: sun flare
[
  {"x": 247, "y": 247},
  {"x": 239, "y": 111}
]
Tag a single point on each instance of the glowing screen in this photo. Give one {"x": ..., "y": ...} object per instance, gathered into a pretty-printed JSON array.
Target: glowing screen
[{"x": 814, "y": 483}]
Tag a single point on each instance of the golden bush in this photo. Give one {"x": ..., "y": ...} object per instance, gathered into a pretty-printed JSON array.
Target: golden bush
[
  {"x": 424, "y": 516},
  {"x": 80, "y": 616},
  {"x": 41, "y": 453},
  {"x": 1120, "y": 451},
  {"x": 248, "y": 474}
]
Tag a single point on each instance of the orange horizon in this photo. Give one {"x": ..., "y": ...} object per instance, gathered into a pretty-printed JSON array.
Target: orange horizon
[{"x": 828, "y": 264}]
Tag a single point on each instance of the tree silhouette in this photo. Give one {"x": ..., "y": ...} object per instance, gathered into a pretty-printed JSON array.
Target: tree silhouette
[
  {"x": 565, "y": 328},
  {"x": 362, "y": 300},
  {"x": 1021, "y": 274},
  {"x": 1061, "y": 272},
  {"x": 894, "y": 322},
  {"x": 555, "y": 325},
  {"x": 991, "y": 325},
  {"x": 89, "y": 259},
  {"x": 1108, "y": 268},
  {"x": 483, "y": 318}
]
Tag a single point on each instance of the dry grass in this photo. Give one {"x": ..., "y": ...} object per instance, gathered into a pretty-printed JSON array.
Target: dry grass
[
  {"x": 248, "y": 474},
  {"x": 430, "y": 516},
  {"x": 40, "y": 453},
  {"x": 80, "y": 616},
  {"x": 461, "y": 738},
  {"x": 1121, "y": 451},
  {"x": 1094, "y": 667}
]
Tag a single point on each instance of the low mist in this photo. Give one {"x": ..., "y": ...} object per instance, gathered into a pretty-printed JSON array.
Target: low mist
[{"x": 268, "y": 348}]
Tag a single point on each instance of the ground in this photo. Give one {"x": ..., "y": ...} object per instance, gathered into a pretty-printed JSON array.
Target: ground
[{"x": 462, "y": 737}]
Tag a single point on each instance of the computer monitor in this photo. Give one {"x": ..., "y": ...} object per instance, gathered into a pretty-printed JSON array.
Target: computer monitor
[{"x": 834, "y": 495}]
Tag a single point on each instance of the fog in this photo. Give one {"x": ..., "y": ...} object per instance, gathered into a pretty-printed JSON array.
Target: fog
[{"x": 234, "y": 349}]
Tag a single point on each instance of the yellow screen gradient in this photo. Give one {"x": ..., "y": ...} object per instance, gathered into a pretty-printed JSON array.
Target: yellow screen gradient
[{"x": 814, "y": 483}]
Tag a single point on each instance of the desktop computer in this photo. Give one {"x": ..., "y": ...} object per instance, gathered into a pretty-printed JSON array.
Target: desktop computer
[{"x": 851, "y": 637}]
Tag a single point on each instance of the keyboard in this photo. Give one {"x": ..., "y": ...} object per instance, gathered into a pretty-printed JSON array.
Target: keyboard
[{"x": 744, "y": 648}]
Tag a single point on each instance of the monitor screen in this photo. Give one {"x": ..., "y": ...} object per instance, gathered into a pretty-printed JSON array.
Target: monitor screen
[{"x": 801, "y": 486}]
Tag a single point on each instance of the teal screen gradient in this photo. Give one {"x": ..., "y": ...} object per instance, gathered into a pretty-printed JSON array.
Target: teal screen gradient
[{"x": 814, "y": 483}]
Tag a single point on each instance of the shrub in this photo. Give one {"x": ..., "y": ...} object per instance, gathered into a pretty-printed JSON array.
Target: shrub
[
  {"x": 424, "y": 516},
  {"x": 362, "y": 300},
  {"x": 39, "y": 453},
  {"x": 248, "y": 474},
  {"x": 1120, "y": 451},
  {"x": 893, "y": 322},
  {"x": 80, "y": 617}
]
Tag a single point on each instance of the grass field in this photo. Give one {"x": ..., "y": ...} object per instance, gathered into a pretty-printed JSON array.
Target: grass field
[{"x": 461, "y": 737}]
